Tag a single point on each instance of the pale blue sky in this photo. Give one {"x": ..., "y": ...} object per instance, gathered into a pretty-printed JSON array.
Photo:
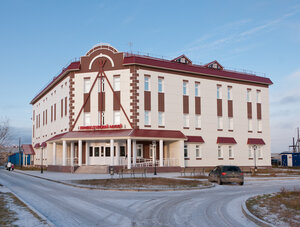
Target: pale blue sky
[{"x": 38, "y": 38}]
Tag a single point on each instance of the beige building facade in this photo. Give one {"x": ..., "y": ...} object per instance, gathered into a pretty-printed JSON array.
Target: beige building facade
[{"x": 119, "y": 109}]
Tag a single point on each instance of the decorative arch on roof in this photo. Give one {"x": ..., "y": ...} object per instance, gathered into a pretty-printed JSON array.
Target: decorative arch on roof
[{"x": 214, "y": 65}]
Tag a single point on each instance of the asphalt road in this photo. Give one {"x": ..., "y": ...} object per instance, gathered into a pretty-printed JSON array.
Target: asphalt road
[{"x": 69, "y": 206}]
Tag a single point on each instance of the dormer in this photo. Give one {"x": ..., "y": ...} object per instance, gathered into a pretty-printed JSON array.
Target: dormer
[
  {"x": 214, "y": 65},
  {"x": 182, "y": 59}
]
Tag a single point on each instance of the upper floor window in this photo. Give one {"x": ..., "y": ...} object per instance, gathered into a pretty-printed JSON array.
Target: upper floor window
[
  {"x": 186, "y": 155},
  {"x": 185, "y": 88},
  {"x": 258, "y": 96},
  {"x": 229, "y": 93},
  {"x": 117, "y": 117},
  {"x": 116, "y": 83},
  {"x": 259, "y": 125},
  {"x": 197, "y": 89},
  {"x": 198, "y": 121},
  {"x": 87, "y": 119},
  {"x": 248, "y": 95},
  {"x": 99, "y": 85},
  {"x": 160, "y": 85},
  {"x": 230, "y": 123},
  {"x": 147, "y": 119},
  {"x": 220, "y": 123},
  {"x": 186, "y": 120},
  {"x": 198, "y": 151},
  {"x": 250, "y": 128},
  {"x": 147, "y": 83},
  {"x": 219, "y": 91},
  {"x": 87, "y": 85},
  {"x": 161, "y": 118}
]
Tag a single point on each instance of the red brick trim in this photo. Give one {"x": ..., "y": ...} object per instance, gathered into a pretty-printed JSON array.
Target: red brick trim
[
  {"x": 186, "y": 127},
  {"x": 231, "y": 158},
  {"x": 230, "y": 130},
  {"x": 186, "y": 158},
  {"x": 134, "y": 96},
  {"x": 197, "y": 128},
  {"x": 220, "y": 130},
  {"x": 220, "y": 158},
  {"x": 161, "y": 126},
  {"x": 250, "y": 131},
  {"x": 147, "y": 126},
  {"x": 260, "y": 158},
  {"x": 250, "y": 158},
  {"x": 259, "y": 131},
  {"x": 198, "y": 158},
  {"x": 71, "y": 99}
]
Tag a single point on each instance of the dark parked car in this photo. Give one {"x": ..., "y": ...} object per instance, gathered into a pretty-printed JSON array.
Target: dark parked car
[{"x": 226, "y": 174}]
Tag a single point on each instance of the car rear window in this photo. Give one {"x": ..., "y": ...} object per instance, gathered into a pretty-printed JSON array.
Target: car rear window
[{"x": 231, "y": 168}]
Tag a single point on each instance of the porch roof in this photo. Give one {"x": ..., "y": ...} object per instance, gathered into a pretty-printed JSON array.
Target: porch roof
[
  {"x": 28, "y": 149},
  {"x": 143, "y": 133}
]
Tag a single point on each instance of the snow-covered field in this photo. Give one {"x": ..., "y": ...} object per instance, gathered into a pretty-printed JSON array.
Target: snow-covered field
[{"x": 69, "y": 206}]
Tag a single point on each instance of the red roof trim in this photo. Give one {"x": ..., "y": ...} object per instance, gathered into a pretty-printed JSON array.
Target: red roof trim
[
  {"x": 37, "y": 145},
  {"x": 255, "y": 141},
  {"x": 43, "y": 145},
  {"x": 71, "y": 67},
  {"x": 160, "y": 63},
  {"x": 226, "y": 140},
  {"x": 28, "y": 149},
  {"x": 195, "y": 139},
  {"x": 145, "y": 133}
]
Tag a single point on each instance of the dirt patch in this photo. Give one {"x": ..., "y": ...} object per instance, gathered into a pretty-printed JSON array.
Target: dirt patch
[
  {"x": 195, "y": 177},
  {"x": 132, "y": 183},
  {"x": 276, "y": 172},
  {"x": 280, "y": 209},
  {"x": 7, "y": 216}
]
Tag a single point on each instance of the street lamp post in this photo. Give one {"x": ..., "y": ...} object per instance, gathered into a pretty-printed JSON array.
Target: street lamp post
[
  {"x": 154, "y": 155},
  {"x": 254, "y": 148}
]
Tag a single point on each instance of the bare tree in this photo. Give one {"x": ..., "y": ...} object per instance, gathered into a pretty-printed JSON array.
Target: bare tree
[{"x": 4, "y": 133}]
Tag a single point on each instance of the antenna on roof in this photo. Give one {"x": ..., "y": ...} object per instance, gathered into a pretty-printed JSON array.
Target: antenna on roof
[{"x": 130, "y": 46}]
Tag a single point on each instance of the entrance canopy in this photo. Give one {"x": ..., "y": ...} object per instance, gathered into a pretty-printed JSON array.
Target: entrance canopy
[
  {"x": 120, "y": 133},
  {"x": 28, "y": 149},
  {"x": 255, "y": 141}
]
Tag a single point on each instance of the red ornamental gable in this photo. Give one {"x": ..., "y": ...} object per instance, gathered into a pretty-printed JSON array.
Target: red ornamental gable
[{"x": 98, "y": 127}]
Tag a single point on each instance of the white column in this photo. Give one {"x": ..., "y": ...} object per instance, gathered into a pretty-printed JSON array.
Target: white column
[
  {"x": 64, "y": 153},
  {"x": 112, "y": 152},
  {"x": 118, "y": 153},
  {"x": 129, "y": 153},
  {"x": 161, "y": 153},
  {"x": 87, "y": 153},
  {"x": 181, "y": 153},
  {"x": 79, "y": 152},
  {"x": 72, "y": 153},
  {"x": 134, "y": 152},
  {"x": 54, "y": 154}
]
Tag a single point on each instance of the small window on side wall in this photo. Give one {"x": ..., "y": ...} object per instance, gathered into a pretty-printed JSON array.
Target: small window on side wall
[{"x": 91, "y": 151}]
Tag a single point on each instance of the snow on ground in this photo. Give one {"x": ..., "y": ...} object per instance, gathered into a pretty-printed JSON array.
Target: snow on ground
[{"x": 23, "y": 214}]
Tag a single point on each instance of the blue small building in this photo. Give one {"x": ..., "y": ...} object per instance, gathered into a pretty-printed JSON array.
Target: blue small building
[
  {"x": 290, "y": 159},
  {"x": 24, "y": 157}
]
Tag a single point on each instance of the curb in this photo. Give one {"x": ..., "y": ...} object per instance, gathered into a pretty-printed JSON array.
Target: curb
[
  {"x": 48, "y": 222},
  {"x": 114, "y": 189},
  {"x": 253, "y": 218}
]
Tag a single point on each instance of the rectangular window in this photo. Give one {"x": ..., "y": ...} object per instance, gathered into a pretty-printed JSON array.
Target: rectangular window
[
  {"x": 230, "y": 123},
  {"x": 66, "y": 106},
  {"x": 122, "y": 151},
  {"x": 220, "y": 152},
  {"x": 107, "y": 151},
  {"x": 161, "y": 118},
  {"x": 87, "y": 119},
  {"x": 116, "y": 83},
  {"x": 198, "y": 121},
  {"x": 186, "y": 151},
  {"x": 259, "y": 152},
  {"x": 91, "y": 151},
  {"x": 55, "y": 112},
  {"x": 147, "y": 119},
  {"x": 62, "y": 108},
  {"x": 99, "y": 85},
  {"x": 117, "y": 119},
  {"x": 259, "y": 125},
  {"x": 258, "y": 96},
  {"x": 101, "y": 115},
  {"x": 147, "y": 83},
  {"x": 230, "y": 151},
  {"x": 219, "y": 92},
  {"x": 185, "y": 89},
  {"x": 97, "y": 151},
  {"x": 160, "y": 85},
  {"x": 250, "y": 125},
  {"x": 197, "y": 89},
  {"x": 220, "y": 123},
  {"x": 102, "y": 151},
  {"x": 51, "y": 113},
  {"x": 87, "y": 85},
  {"x": 229, "y": 93},
  {"x": 248, "y": 95},
  {"x": 186, "y": 120},
  {"x": 250, "y": 153},
  {"x": 198, "y": 151},
  {"x": 139, "y": 150}
]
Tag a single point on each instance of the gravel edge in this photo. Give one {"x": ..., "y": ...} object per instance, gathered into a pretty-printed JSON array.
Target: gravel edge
[{"x": 253, "y": 218}]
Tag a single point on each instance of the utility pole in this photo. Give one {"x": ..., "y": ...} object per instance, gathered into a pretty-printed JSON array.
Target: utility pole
[
  {"x": 20, "y": 153},
  {"x": 297, "y": 139}
]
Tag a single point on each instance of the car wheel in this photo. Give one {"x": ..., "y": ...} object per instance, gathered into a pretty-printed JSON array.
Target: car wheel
[
  {"x": 241, "y": 183},
  {"x": 219, "y": 181}
]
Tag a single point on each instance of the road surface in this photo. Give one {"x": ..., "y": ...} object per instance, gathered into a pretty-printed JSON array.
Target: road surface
[{"x": 70, "y": 206}]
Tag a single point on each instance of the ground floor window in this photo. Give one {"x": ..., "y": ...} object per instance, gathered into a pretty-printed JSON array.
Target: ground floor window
[
  {"x": 107, "y": 151},
  {"x": 102, "y": 151},
  {"x": 91, "y": 151},
  {"x": 122, "y": 151},
  {"x": 198, "y": 151},
  {"x": 97, "y": 151},
  {"x": 185, "y": 150},
  {"x": 259, "y": 152},
  {"x": 139, "y": 150},
  {"x": 230, "y": 151},
  {"x": 250, "y": 153},
  {"x": 220, "y": 151}
]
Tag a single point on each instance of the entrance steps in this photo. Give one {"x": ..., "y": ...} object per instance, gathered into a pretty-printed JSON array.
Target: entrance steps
[{"x": 92, "y": 169}]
